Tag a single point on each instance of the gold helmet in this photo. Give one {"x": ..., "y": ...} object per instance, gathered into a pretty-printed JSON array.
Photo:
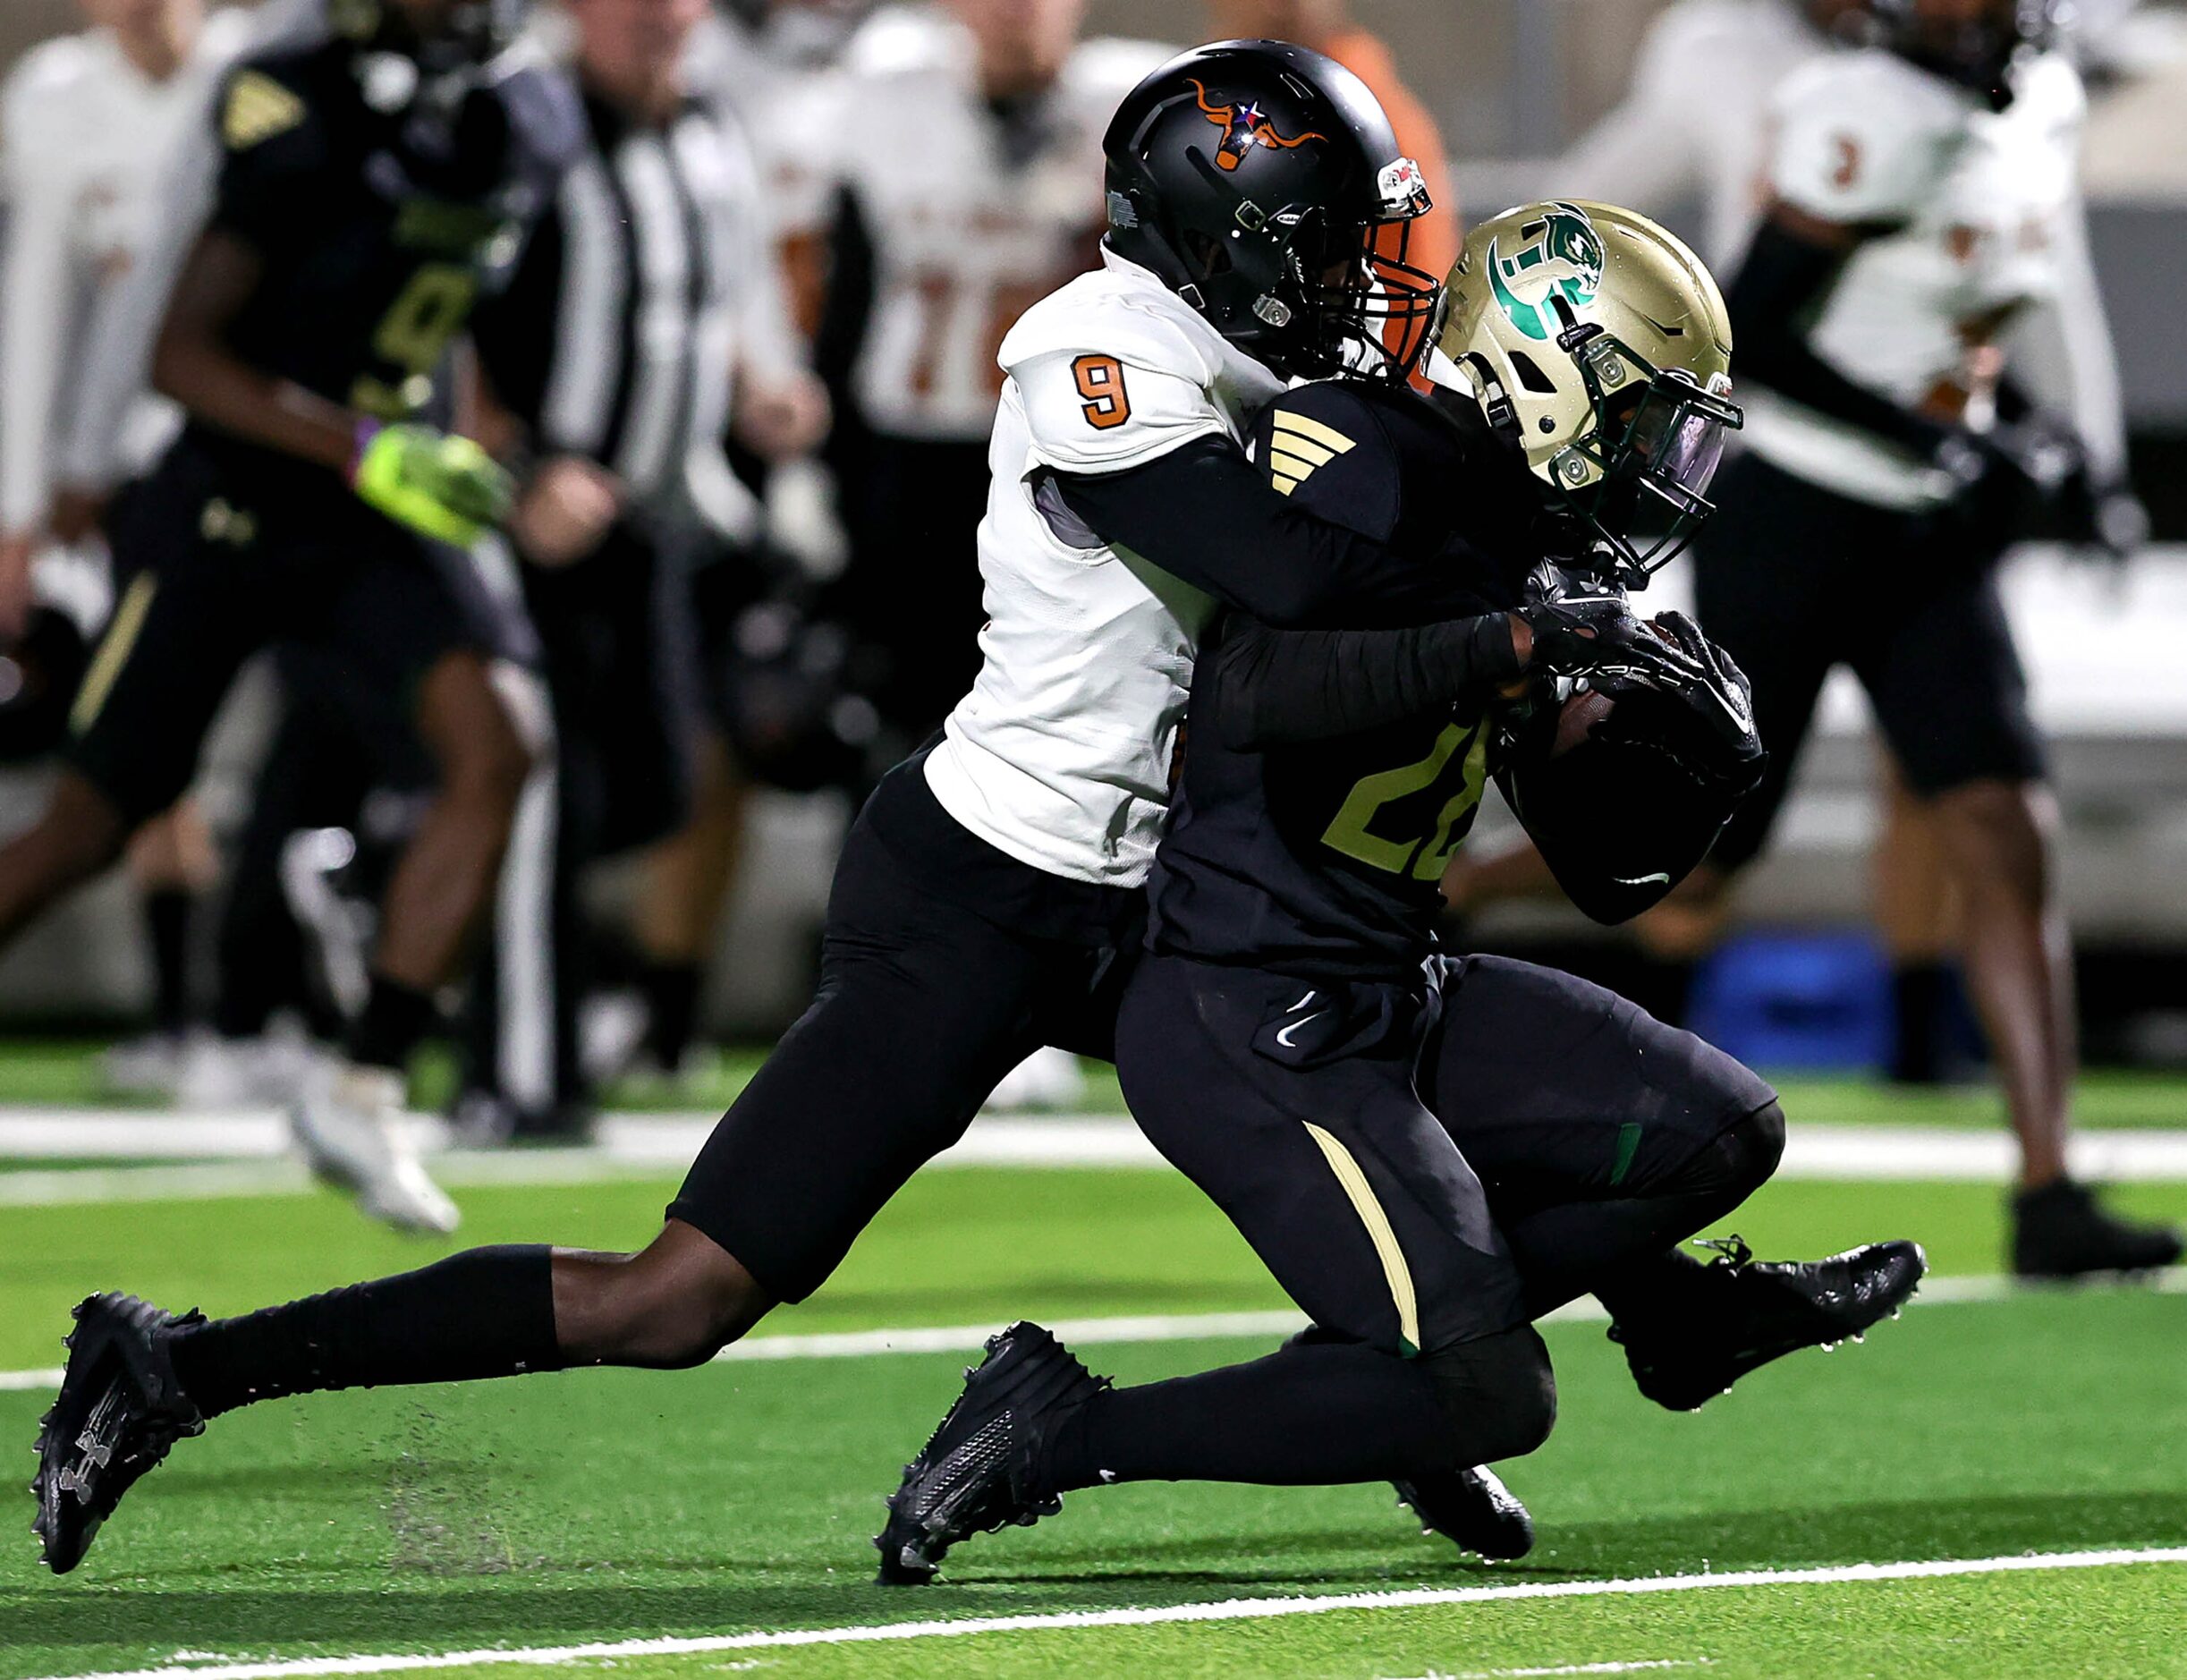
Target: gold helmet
[{"x": 1599, "y": 343}]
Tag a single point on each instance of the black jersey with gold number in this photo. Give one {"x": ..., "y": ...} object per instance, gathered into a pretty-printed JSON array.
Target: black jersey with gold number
[
  {"x": 1322, "y": 859},
  {"x": 382, "y": 207}
]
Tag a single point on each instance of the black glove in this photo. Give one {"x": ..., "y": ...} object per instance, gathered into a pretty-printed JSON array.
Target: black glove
[
  {"x": 1593, "y": 633},
  {"x": 2101, "y": 520},
  {"x": 1704, "y": 723},
  {"x": 2014, "y": 478}
]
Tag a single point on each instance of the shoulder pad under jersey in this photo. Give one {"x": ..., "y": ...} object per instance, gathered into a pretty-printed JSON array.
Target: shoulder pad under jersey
[
  {"x": 1111, "y": 313},
  {"x": 1325, "y": 446}
]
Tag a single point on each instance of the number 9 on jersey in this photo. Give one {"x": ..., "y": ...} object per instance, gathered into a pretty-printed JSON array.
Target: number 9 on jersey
[{"x": 1101, "y": 383}]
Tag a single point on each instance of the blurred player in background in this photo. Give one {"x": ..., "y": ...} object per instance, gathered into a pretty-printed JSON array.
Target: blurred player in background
[
  {"x": 1694, "y": 131},
  {"x": 1693, "y": 127},
  {"x": 355, "y": 190},
  {"x": 1922, "y": 199},
  {"x": 955, "y": 181},
  {"x": 1329, "y": 27},
  {"x": 87, "y": 124},
  {"x": 654, "y": 278}
]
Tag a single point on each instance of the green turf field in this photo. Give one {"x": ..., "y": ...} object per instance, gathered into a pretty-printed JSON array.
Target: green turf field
[
  {"x": 735, "y": 1504},
  {"x": 66, "y": 1071}
]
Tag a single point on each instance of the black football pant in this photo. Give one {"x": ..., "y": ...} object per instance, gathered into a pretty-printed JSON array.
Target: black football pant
[
  {"x": 1425, "y": 1167},
  {"x": 1777, "y": 571},
  {"x": 923, "y": 1005},
  {"x": 1602, "y": 1136},
  {"x": 1420, "y": 1165}
]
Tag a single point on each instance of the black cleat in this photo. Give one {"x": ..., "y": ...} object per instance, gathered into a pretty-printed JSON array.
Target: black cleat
[
  {"x": 1472, "y": 1509},
  {"x": 119, "y": 1410},
  {"x": 1743, "y": 1313},
  {"x": 973, "y": 1475},
  {"x": 2061, "y": 1231}
]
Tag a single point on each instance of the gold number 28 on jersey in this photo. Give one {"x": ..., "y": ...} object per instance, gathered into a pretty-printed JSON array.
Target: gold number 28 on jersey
[{"x": 1459, "y": 756}]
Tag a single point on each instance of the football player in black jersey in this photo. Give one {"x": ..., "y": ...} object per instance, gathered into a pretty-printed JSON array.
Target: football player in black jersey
[
  {"x": 946, "y": 958},
  {"x": 1430, "y": 1153},
  {"x": 363, "y": 186}
]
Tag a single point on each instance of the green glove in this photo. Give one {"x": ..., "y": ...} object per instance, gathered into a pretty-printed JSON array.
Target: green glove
[{"x": 438, "y": 485}]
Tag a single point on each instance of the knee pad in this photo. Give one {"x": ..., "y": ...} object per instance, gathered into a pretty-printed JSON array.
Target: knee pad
[{"x": 1498, "y": 1395}]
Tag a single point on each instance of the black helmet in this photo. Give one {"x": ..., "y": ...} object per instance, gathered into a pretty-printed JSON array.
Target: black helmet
[
  {"x": 1257, "y": 179},
  {"x": 1977, "y": 51}
]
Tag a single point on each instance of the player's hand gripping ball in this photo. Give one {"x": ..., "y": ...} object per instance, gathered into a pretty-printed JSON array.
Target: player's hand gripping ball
[{"x": 1698, "y": 710}]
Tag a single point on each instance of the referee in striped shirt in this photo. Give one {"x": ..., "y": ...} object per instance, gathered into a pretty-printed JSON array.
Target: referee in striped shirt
[{"x": 655, "y": 279}]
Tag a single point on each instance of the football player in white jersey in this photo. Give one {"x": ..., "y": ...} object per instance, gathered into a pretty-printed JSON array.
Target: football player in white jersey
[
  {"x": 1696, "y": 123},
  {"x": 87, "y": 124},
  {"x": 988, "y": 900},
  {"x": 1921, "y": 195},
  {"x": 917, "y": 260}
]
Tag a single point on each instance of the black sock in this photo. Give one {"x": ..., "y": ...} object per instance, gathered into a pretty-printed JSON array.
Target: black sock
[
  {"x": 1918, "y": 995},
  {"x": 485, "y": 1313},
  {"x": 166, "y": 920},
  {"x": 393, "y": 1021},
  {"x": 1310, "y": 1414},
  {"x": 672, "y": 1009},
  {"x": 1652, "y": 1288}
]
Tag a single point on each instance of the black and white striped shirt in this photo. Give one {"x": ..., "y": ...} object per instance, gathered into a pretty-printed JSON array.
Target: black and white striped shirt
[{"x": 653, "y": 280}]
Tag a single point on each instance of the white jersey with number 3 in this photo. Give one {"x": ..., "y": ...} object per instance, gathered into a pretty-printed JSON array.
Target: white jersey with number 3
[
  {"x": 1060, "y": 755},
  {"x": 1978, "y": 203}
]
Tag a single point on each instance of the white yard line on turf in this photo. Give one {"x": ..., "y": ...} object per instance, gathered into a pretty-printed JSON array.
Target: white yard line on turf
[
  {"x": 628, "y": 1143},
  {"x": 1225, "y": 1610},
  {"x": 1200, "y": 1327}
]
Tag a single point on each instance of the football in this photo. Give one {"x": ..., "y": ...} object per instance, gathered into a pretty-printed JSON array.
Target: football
[{"x": 1576, "y": 720}]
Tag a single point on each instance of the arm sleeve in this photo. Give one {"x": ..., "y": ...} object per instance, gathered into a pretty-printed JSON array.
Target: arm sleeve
[
  {"x": 1618, "y": 827},
  {"x": 1779, "y": 290},
  {"x": 1277, "y": 687},
  {"x": 846, "y": 308},
  {"x": 1204, "y": 514}
]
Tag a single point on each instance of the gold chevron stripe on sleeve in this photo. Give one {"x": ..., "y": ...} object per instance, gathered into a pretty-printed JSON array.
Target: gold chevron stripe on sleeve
[
  {"x": 257, "y": 108},
  {"x": 1305, "y": 426},
  {"x": 1308, "y": 455},
  {"x": 1283, "y": 466},
  {"x": 1395, "y": 1271}
]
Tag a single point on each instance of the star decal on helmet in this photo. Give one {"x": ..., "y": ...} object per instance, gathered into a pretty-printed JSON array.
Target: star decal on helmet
[{"x": 1244, "y": 126}]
